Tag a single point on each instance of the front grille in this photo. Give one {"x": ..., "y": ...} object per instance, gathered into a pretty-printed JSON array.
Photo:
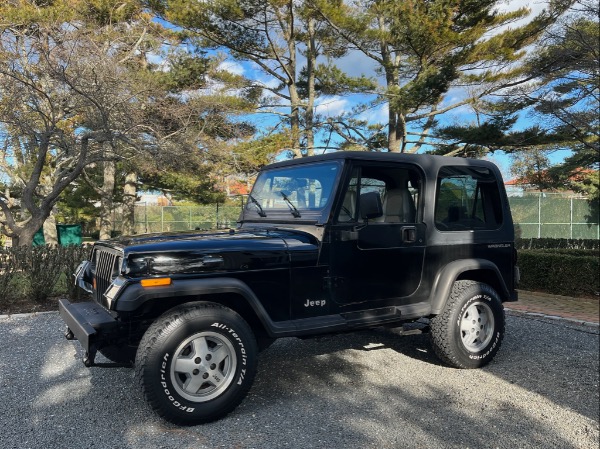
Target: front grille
[{"x": 108, "y": 265}]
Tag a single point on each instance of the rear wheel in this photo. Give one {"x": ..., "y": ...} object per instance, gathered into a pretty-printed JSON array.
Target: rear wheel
[
  {"x": 469, "y": 331},
  {"x": 196, "y": 363}
]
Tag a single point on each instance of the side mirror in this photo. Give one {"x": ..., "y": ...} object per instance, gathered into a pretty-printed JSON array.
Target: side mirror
[{"x": 370, "y": 205}]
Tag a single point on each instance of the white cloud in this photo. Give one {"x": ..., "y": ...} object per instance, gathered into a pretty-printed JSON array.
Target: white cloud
[
  {"x": 161, "y": 63},
  {"x": 378, "y": 114},
  {"x": 271, "y": 83},
  {"x": 331, "y": 106},
  {"x": 355, "y": 63},
  {"x": 535, "y": 7},
  {"x": 232, "y": 67}
]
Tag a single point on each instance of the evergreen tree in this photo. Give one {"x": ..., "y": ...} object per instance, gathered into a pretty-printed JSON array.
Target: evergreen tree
[
  {"x": 561, "y": 98},
  {"x": 276, "y": 36},
  {"x": 424, "y": 48}
]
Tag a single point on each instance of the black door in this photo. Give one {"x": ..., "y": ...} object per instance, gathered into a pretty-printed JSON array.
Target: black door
[{"x": 381, "y": 258}]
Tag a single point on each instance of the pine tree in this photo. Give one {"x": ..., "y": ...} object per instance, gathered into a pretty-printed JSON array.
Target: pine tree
[{"x": 424, "y": 48}]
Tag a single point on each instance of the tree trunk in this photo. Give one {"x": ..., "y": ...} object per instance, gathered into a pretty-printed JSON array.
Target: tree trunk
[
  {"x": 295, "y": 120},
  {"x": 393, "y": 142},
  {"x": 24, "y": 236},
  {"x": 290, "y": 68},
  {"x": 50, "y": 231},
  {"x": 129, "y": 199},
  {"x": 106, "y": 201},
  {"x": 390, "y": 65},
  {"x": 311, "y": 62}
]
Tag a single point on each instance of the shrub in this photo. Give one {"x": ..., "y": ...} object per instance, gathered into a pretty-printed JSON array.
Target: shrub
[
  {"x": 41, "y": 267},
  {"x": 548, "y": 243},
  {"x": 560, "y": 271},
  {"x": 8, "y": 269},
  {"x": 34, "y": 273},
  {"x": 71, "y": 256}
]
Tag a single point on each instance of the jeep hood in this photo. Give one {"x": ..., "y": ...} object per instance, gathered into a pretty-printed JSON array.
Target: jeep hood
[{"x": 225, "y": 251}]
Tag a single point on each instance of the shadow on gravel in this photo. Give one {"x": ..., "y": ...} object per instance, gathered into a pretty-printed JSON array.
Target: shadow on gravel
[
  {"x": 370, "y": 389},
  {"x": 537, "y": 356},
  {"x": 429, "y": 414}
]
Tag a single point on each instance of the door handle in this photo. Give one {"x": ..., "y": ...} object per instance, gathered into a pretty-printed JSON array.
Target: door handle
[{"x": 409, "y": 234}]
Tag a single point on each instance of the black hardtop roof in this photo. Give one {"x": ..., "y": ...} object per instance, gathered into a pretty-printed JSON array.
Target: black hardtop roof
[{"x": 427, "y": 161}]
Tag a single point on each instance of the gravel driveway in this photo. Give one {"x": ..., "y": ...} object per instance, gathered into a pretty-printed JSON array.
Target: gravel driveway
[{"x": 372, "y": 389}]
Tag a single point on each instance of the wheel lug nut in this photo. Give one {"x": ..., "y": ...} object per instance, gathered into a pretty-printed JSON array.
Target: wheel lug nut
[
  {"x": 197, "y": 360},
  {"x": 195, "y": 372},
  {"x": 213, "y": 366},
  {"x": 208, "y": 357},
  {"x": 205, "y": 376}
]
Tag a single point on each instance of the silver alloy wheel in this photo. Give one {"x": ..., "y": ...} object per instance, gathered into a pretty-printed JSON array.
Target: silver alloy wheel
[
  {"x": 477, "y": 326},
  {"x": 203, "y": 366}
]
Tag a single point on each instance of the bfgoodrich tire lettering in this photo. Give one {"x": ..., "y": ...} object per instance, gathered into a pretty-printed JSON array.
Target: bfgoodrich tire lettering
[
  {"x": 469, "y": 331},
  {"x": 196, "y": 363}
]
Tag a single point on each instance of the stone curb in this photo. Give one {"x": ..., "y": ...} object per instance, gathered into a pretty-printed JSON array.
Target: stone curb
[
  {"x": 25, "y": 315},
  {"x": 553, "y": 317}
]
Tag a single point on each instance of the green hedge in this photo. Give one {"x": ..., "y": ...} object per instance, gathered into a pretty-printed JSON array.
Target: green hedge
[
  {"x": 560, "y": 271},
  {"x": 547, "y": 243}
]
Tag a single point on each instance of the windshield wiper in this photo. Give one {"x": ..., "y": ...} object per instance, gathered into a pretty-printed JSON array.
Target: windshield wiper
[
  {"x": 261, "y": 212},
  {"x": 295, "y": 212}
]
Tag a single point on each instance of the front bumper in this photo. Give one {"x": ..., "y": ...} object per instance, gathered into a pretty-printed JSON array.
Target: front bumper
[{"x": 88, "y": 322}]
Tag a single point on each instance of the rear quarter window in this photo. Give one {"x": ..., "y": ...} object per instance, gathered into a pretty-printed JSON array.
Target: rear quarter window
[{"x": 467, "y": 199}]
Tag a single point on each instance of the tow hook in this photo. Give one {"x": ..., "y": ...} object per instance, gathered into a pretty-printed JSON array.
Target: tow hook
[
  {"x": 89, "y": 357},
  {"x": 69, "y": 334}
]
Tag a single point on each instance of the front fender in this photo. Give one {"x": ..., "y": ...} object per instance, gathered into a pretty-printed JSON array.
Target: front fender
[
  {"x": 450, "y": 273},
  {"x": 135, "y": 296}
]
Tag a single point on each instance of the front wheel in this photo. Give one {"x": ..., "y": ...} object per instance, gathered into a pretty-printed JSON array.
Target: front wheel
[
  {"x": 470, "y": 329},
  {"x": 196, "y": 363}
]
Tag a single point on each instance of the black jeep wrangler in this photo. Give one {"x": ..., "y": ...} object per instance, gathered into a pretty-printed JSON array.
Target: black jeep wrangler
[{"x": 325, "y": 244}]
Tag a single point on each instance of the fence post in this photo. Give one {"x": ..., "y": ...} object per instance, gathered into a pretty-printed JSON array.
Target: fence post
[
  {"x": 190, "y": 216},
  {"x": 217, "y": 215},
  {"x": 162, "y": 218},
  {"x": 539, "y": 215},
  {"x": 571, "y": 217}
]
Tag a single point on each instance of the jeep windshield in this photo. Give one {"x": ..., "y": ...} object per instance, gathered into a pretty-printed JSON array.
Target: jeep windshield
[{"x": 301, "y": 191}]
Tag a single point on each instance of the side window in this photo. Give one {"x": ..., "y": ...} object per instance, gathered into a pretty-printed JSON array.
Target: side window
[
  {"x": 373, "y": 185},
  {"x": 467, "y": 199},
  {"x": 399, "y": 189}
]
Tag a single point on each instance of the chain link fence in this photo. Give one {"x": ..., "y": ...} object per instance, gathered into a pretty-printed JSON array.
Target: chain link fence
[
  {"x": 536, "y": 215},
  {"x": 554, "y": 215},
  {"x": 149, "y": 218}
]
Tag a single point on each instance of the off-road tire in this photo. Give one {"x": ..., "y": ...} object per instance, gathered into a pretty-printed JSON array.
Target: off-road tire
[
  {"x": 175, "y": 365},
  {"x": 472, "y": 307}
]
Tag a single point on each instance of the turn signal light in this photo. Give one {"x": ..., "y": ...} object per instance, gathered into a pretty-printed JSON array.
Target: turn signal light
[{"x": 155, "y": 282}]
